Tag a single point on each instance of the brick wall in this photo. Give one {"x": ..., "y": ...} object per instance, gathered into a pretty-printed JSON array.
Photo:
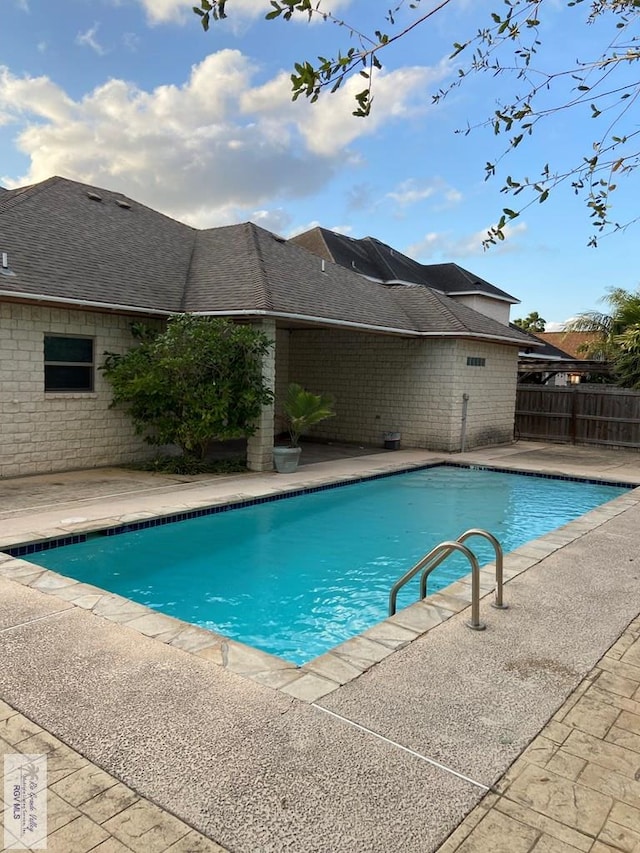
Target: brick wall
[
  {"x": 54, "y": 431},
  {"x": 414, "y": 386}
]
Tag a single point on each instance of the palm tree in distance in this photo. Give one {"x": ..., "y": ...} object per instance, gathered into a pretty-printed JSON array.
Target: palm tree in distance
[
  {"x": 624, "y": 313},
  {"x": 617, "y": 335}
]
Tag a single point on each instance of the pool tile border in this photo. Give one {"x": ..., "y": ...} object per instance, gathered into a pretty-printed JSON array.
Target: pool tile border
[
  {"x": 341, "y": 664},
  {"x": 146, "y": 520}
]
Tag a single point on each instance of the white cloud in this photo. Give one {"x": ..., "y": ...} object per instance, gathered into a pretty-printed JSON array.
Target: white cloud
[
  {"x": 453, "y": 196},
  {"x": 88, "y": 39},
  {"x": 558, "y": 326},
  {"x": 164, "y": 11},
  {"x": 276, "y": 220},
  {"x": 328, "y": 126},
  {"x": 131, "y": 41},
  {"x": 411, "y": 192},
  {"x": 443, "y": 244},
  {"x": 203, "y": 153}
]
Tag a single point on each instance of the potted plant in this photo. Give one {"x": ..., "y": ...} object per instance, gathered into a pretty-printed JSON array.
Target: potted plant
[{"x": 302, "y": 410}]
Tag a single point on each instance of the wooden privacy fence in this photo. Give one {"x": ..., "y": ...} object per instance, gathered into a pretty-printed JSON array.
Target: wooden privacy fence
[{"x": 579, "y": 414}]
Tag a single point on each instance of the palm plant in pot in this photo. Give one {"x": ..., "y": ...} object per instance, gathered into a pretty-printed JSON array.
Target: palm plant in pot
[{"x": 303, "y": 410}]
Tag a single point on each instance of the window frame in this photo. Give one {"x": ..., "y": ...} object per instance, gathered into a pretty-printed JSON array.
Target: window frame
[{"x": 89, "y": 365}]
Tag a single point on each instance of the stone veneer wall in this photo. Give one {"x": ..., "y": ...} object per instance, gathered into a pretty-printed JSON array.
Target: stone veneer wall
[
  {"x": 414, "y": 386},
  {"x": 57, "y": 431},
  {"x": 282, "y": 376}
]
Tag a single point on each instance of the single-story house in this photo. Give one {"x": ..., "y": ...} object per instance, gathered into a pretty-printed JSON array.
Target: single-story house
[{"x": 79, "y": 264}]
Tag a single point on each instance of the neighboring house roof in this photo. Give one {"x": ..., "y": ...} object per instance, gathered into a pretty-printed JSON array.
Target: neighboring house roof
[
  {"x": 571, "y": 342},
  {"x": 543, "y": 349},
  {"x": 377, "y": 261},
  {"x": 70, "y": 243}
]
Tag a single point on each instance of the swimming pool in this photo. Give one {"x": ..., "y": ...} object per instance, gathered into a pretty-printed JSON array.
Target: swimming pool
[{"x": 296, "y": 576}]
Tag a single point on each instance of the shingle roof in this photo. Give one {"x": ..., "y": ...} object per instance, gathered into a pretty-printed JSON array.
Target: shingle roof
[
  {"x": 543, "y": 349},
  {"x": 572, "y": 343},
  {"x": 69, "y": 241},
  {"x": 377, "y": 260},
  {"x": 62, "y": 243}
]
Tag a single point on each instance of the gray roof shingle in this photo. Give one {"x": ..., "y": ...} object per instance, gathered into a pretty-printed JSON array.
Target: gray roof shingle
[
  {"x": 376, "y": 260},
  {"x": 65, "y": 244},
  {"x": 62, "y": 243}
]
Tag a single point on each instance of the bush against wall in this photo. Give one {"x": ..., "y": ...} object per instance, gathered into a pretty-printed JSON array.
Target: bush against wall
[{"x": 200, "y": 380}]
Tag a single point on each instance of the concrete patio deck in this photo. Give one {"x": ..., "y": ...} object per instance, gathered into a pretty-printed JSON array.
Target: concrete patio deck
[{"x": 395, "y": 758}]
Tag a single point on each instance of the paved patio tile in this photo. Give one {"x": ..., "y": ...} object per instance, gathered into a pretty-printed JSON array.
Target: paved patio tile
[
  {"x": 83, "y": 785},
  {"x": 6, "y": 710},
  {"x": 604, "y": 754},
  {"x": 499, "y": 833},
  {"x": 390, "y": 634},
  {"x": 548, "y": 844},
  {"x": 419, "y": 617},
  {"x": 591, "y": 715},
  {"x": 16, "y": 728},
  {"x": 110, "y": 802},
  {"x": 80, "y": 836},
  {"x": 554, "y": 828},
  {"x": 626, "y": 815},
  {"x": 578, "y": 807},
  {"x": 623, "y": 738},
  {"x": 615, "y": 683},
  {"x": 145, "y": 828},
  {"x": 361, "y": 652},
  {"x": 620, "y": 837},
  {"x": 195, "y": 843},
  {"x": 622, "y": 703},
  {"x": 568, "y": 766},
  {"x": 111, "y": 845},
  {"x": 606, "y": 781},
  {"x": 63, "y": 762},
  {"x": 618, "y": 667},
  {"x": 310, "y": 687},
  {"x": 333, "y": 667},
  {"x": 629, "y": 721},
  {"x": 59, "y": 812}
]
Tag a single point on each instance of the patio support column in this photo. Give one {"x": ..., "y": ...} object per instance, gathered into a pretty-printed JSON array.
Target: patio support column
[{"x": 260, "y": 444}]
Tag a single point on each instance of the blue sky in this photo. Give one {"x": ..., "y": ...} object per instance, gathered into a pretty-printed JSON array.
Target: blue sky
[{"x": 132, "y": 95}]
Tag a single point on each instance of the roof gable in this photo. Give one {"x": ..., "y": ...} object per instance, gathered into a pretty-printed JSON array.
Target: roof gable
[{"x": 376, "y": 260}]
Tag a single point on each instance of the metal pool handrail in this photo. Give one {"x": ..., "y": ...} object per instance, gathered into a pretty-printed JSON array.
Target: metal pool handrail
[
  {"x": 444, "y": 549},
  {"x": 474, "y": 531}
]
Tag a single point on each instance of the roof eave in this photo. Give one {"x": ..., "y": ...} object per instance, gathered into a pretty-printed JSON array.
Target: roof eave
[{"x": 64, "y": 301}]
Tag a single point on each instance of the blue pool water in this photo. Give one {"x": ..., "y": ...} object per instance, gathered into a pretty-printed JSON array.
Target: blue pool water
[{"x": 297, "y": 576}]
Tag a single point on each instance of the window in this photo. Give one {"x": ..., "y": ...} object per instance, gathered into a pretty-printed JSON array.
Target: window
[
  {"x": 475, "y": 361},
  {"x": 68, "y": 364}
]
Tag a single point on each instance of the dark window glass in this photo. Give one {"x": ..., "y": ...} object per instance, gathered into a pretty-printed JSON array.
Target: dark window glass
[
  {"x": 475, "y": 361},
  {"x": 68, "y": 349},
  {"x": 66, "y": 378},
  {"x": 68, "y": 364}
]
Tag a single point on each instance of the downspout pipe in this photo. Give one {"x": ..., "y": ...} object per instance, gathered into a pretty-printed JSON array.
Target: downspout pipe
[{"x": 463, "y": 426}]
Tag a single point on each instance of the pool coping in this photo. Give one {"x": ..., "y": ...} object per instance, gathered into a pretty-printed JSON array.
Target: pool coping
[{"x": 341, "y": 664}]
